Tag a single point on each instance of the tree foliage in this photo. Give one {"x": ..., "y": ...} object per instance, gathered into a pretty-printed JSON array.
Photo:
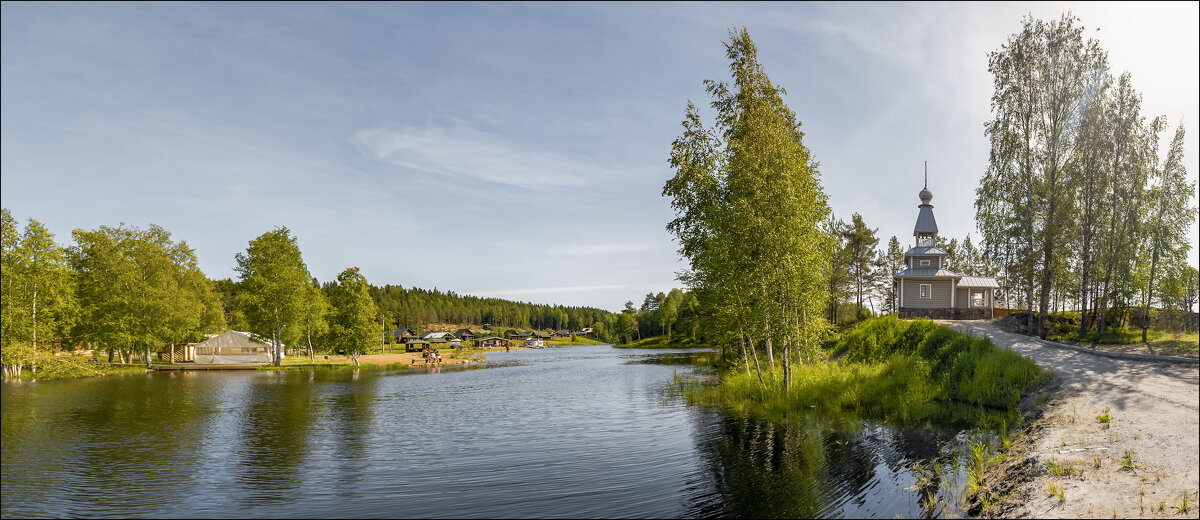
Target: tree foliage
[
  {"x": 273, "y": 288},
  {"x": 352, "y": 325},
  {"x": 1075, "y": 204},
  {"x": 138, "y": 290},
  {"x": 749, "y": 206}
]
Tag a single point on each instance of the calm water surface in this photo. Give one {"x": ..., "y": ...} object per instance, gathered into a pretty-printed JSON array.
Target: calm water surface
[{"x": 582, "y": 431}]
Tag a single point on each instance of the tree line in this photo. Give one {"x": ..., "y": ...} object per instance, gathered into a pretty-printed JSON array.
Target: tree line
[
  {"x": 1076, "y": 200},
  {"x": 129, "y": 292}
]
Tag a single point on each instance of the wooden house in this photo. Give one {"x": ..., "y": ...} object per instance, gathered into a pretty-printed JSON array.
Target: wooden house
[
  {"x": 178, "y": 353},
  {"x": 927, "y": 288},
  {"x": 403, "y": 336},
  {"x": 562, "y": 333},
  {"x": 491, "y": 342},
  {"x": 514, "y": 334},
  {"x": 464, "y": 334}
]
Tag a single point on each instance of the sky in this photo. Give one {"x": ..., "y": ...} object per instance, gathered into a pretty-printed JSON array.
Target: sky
[{"x": 504, "y": 150}]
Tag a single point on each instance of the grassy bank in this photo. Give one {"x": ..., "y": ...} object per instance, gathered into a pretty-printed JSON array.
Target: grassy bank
[
  {"x": 70, "y": 366},
  {"x": 1129, "y": 339},
  {"x": 662, "y": 342},
  {"x": 577, "y": 340},
  {"x": 897, "y": 370}
]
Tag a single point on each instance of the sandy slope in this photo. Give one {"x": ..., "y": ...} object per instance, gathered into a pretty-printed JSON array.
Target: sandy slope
[{"x": 1155, "y": 414}]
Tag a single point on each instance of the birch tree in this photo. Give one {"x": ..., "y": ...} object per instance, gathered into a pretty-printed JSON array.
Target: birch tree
[
  {"x": 41, "y": 299},
  {"x": 274, "y": 283},
  {"x": 1129, "y": 144},
  {"x": 352, "y": 326},
  {"x": 1089, "y": 174},
  {"x": 139, "y": 290},
  {"x": 314, "y": 316},
  {"x": 1169, "y": 203},
  {"x": 749, "y": 206},
  {"x": 1045, "y": 78}
]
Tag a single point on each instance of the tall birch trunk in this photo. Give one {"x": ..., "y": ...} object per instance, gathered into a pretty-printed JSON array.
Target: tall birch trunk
[
  {"x": 770, "y": 350},
  {"x": 757, "y": 367},
  {"x": 745, "y": 358}
]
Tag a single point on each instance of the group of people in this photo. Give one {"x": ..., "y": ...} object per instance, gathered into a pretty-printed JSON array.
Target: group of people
[{"x": 431, "y": 356}]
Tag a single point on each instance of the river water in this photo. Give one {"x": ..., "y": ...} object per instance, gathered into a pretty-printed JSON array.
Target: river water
[{"x": 580, "y": 431}]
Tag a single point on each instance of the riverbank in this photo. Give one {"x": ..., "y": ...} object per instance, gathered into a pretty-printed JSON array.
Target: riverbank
[
  {"x": 904, "y": 372},
  {"x": 450, "y": 357},
  {"x": 1116, "y": 437},
  {"x": 662, "y": 342},
  {"x": 577, "y": 340}
]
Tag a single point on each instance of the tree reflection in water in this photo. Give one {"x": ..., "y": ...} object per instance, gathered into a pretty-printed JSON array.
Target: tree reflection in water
[{"x": 816, "y": 466}]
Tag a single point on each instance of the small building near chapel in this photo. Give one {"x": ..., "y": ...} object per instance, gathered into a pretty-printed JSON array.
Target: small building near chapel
[{"x": 927, "y": 288}]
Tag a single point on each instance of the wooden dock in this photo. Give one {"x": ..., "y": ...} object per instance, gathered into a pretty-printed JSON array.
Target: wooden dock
[{"x": 208, "y": 366}]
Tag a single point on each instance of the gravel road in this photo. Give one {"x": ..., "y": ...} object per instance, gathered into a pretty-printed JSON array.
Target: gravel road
[{"x": 1154, "y": 410}]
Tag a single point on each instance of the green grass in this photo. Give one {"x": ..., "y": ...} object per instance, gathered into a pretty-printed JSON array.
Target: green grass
[
  {"x": 1126, "y": 461},
  {"x": 1159, "y": 339},
  {"x": 72, "y": 366},
  {"x": 908, "y": 372},
  {"x": 1104, "y": 417},
  {"x": 1055, "y": 489},
  {"x": 677, "y": 341},
  {"x": 1182, "y": 507},
  {"x": 577, "y": 340},
  {"x": 1064, "y": 468},
  {"x": 969, "y": 368}
]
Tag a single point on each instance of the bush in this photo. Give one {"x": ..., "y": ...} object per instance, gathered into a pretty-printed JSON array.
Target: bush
[{"x": 873, "y": 340}]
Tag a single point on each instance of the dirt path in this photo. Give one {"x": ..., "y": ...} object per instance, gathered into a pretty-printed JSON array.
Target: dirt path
[{"x": 1154, "y": 411}]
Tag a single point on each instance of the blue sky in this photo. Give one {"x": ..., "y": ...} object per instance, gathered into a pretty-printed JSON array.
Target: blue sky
[{"x": 508, "y": 150}]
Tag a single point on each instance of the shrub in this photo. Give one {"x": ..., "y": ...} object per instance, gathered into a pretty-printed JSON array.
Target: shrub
[
  {"x": 919, "y": 360},
  {"x": 873, "y": 340}
]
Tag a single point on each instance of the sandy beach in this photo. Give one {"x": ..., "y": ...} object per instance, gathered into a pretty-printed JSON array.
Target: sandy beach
[{"x": 411, "y": 358}]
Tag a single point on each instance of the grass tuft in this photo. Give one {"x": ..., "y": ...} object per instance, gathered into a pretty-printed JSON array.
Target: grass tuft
[
  {"x": 1063, "y": 469},
  {"x": 1127, "y": 461},
  {"x": 1055, "y": 489},
  {"x": 1182, "y": 507}
]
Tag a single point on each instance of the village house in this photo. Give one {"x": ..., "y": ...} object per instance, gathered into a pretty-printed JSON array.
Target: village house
[
  {"x": 403, "y": 336},
  {"x": 927, "y": 288},
  {"x": 491, "y": 342},
  {"x": 464, "y": 334},
  {"x": 515, "y": 334}
]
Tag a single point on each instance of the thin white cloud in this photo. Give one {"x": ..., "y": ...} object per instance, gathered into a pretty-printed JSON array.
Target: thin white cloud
[
  {"x": 461, "y": 151},
  {"x": 551, "y": 290}
]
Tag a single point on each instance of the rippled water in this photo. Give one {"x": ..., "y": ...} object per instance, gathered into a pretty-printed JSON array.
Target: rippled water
[{"x": 586, "y": 431}]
